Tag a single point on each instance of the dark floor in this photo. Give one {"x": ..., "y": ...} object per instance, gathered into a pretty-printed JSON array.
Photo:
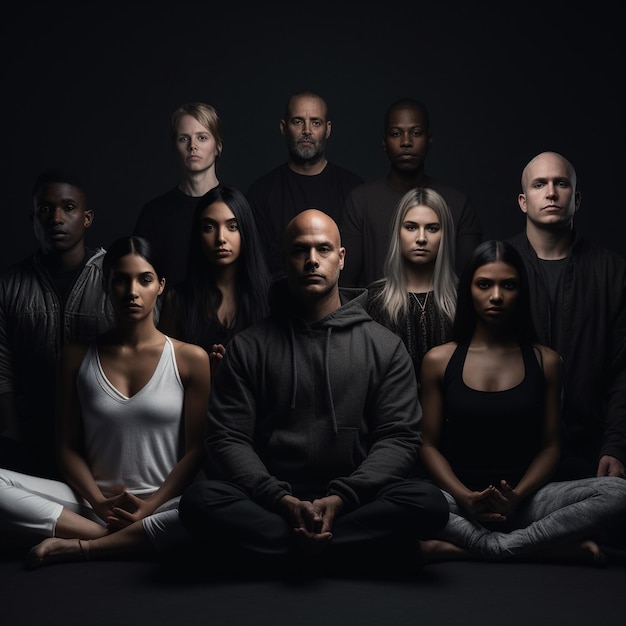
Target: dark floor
[{"x": 465, "y": 593}]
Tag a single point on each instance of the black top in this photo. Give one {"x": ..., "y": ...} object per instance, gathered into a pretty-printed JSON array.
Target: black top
[
  {"x": 489, "y": 436},
  {"x": 422, "y": 329},
  {"x": 592, "y": 321},
  {"x": 281, "y": 194},
  {"x": 166, "y": 223}
]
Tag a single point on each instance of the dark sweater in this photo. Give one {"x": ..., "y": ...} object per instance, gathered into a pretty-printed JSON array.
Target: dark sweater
[
  {"x": 166, "y": 223},
  {"x": 331, "y": 405},
  {"x": 281, "y": 194},
  {"x": 593, "y": 346},
  {"x": 366, "y": 220}
]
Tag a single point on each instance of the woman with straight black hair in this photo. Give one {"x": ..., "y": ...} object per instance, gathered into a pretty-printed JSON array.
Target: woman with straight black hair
[
  {"x": 227, "y": 282},
  {"x": 130, "y": 420},
  {"x": 491, "y": 400}
]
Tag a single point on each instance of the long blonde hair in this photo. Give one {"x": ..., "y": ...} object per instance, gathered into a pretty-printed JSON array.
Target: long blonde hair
[{"x": 394, "y": 297}]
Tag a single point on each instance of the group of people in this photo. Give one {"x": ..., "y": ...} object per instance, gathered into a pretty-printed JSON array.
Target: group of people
[{"x": 193, "y": 385}]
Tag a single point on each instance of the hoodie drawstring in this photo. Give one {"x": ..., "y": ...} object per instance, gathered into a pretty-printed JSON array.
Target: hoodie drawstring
[
  {"x": 294, "y": 377},
  {"x": 331, "y": 404},
  {"x": 294, "y": 367}
]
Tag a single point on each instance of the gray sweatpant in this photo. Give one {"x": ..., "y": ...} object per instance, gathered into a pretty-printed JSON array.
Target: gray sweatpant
[{"x": 559, "y": 512}]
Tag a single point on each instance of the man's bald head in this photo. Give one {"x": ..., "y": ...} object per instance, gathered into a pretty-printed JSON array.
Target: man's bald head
[
  {"x": 312, "y": 220},
  {"x": 549, "y": 161},
  {"x": 313, "y": 261},
  {"x": 549, "y": 198}
]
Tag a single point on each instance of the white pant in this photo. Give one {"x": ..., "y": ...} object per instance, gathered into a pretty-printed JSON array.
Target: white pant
[{"x": 31, "y": 505}]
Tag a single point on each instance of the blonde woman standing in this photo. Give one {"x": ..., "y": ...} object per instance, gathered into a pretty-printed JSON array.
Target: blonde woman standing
[{"x": 417, "y": 297}]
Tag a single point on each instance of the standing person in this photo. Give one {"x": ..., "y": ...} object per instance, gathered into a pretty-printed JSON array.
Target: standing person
[
  {"x": 165, "y": 221},
  {"x": 227, "y": 284},
  {"x": 307, "y": 180},
  {"x": 366, "y": 216},
  {"x": 417, "y": 299},
  {"x": 131, "y": 415},
  {"x": 578, "y": 304},
  {"x": 491, "y": 401},
  {"x": 50, "y": 298},
  {"x": 307, "y": 458}
]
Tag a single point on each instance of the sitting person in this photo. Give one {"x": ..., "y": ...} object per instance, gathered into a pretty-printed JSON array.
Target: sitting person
[
  {"x": 491, "y": 400},
  {"x": 131, "y": 415},
  {"x": 227, "y": 283},
  {"x": 306, "y": 459},
  {"x": 417, "y": 298}
]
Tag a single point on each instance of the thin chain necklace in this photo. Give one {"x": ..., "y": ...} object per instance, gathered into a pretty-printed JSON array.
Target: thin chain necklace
[{"x": 421, "y": 306}]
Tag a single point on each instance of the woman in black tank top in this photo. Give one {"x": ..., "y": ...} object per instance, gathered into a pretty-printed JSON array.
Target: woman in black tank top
[{"x": 491, "y": 401}]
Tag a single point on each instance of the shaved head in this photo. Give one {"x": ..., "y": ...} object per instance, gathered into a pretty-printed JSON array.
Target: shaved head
[
  {"x": 547, "y": 160},
  {"x": 550, "y": 200},
  {"x": 312, "y": 220},
  {"x": 313, "y": 261}
]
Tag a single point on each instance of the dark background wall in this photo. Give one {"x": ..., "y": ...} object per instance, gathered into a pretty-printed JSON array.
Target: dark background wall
[{"x": 91, "y": 87}]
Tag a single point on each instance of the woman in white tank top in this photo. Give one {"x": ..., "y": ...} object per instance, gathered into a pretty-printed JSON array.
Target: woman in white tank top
[{"x": 131, "y": 410}]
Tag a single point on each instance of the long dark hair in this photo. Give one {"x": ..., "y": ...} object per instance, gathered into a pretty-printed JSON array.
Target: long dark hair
[
  {"x": 131, "y": 245},
  {"x": 199, "y": 295},
  {"x": 465, "y": 318}
]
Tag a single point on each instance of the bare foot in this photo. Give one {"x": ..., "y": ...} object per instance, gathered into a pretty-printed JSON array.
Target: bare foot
[
  {"x": 584, "y": 552},
  {"x": 55, "y": 550},
  {"x": 594, "y": 552},
  {"x": 434, "y": 550}
]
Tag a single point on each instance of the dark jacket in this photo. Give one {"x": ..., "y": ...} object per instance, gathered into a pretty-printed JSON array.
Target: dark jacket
[
  {"x": 331, "y": 404},
  {"x": 34, "y": 326},
  {"x": 593, "y": 324}
]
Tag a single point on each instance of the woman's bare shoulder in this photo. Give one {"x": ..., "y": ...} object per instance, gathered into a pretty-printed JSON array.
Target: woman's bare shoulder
[
  {"x": 189, "y": 352},
  {"x": 192, "y": 361},
  {"x": 443, "y": 351},
  {"x": 440, "y": 355},
  {"x": 548, "y": 357}
]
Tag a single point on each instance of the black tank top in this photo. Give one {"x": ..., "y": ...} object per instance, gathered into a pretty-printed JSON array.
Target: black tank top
[{"x": 489, "y": 436}]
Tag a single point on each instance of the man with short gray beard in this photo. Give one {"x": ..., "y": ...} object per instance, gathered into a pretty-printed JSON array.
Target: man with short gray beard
[{"x": 306, "y": 180}]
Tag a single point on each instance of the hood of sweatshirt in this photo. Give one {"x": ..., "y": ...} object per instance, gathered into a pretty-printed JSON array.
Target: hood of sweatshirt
[
  {"x": 352, "y": 310},
  {"x": 351, "y": 313}
]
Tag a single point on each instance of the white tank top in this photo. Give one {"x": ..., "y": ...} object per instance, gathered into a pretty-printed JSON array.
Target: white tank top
[{"x": 134, "y": 442}]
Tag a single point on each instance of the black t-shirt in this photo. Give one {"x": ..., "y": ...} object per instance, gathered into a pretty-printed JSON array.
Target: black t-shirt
[
  {"x": 166, "y": 223},
  {"x": 281, "y": 194},
  {"x": 552, "y": 271}
]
